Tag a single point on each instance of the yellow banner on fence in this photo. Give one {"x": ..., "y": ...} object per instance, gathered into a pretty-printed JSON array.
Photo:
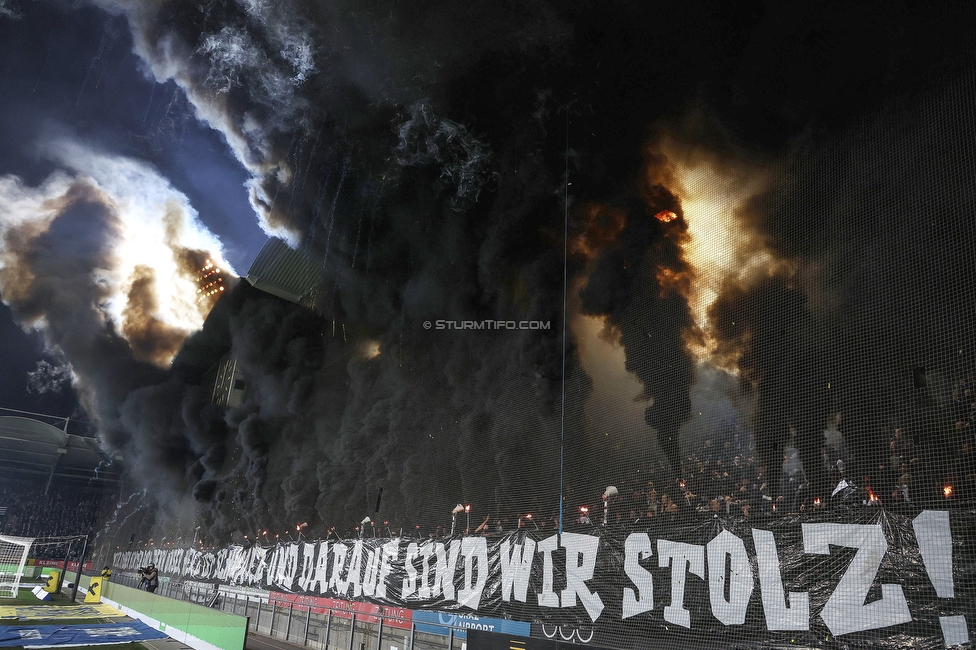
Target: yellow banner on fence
[
  {"x": 52, "y": 581},
  {"x": 94, "y": 594}
]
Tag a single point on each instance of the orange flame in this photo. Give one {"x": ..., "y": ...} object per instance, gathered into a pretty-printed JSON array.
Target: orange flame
[
  {"x": 947, "y": 491},
  {"x": 665, "y": 216}
]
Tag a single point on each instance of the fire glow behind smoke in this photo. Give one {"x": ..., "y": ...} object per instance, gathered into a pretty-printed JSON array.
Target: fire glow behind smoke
[
  {"x": 720, "y": 248},
  {"x": 369, "y": 349},
  {"x": 149, "y": 249}
]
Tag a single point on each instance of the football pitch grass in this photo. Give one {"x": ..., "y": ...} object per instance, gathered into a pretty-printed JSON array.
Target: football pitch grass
[{"x": 58, "y": 603}]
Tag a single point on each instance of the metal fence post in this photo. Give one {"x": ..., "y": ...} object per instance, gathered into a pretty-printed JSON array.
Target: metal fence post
[
  {"x": 274, "y": 611},
  {"x": 379, "y": 636},
  {"x": 352, "y": 630},
  {"x": 291, "y": 611},
  {"x": 413, "y": 631},
  {"x": 308, "y": 619},
  {"x": 450, "y": 639},
  {"x": 328, "y": 630},
  {"x": 257, "y": 622}
]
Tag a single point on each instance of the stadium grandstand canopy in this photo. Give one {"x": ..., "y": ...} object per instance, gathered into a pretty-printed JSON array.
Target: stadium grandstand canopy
[
  {"x": 285, "y": 272},
  {"x": 32, "y": 449},
  {"x": 278, "y": 272}
]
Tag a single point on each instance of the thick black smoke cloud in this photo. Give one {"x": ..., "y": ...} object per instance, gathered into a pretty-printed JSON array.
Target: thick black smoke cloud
[
  {"x": 362, "y": 155},
  {"x": 874, "y": 319},
  {"x": 418, "y": 153},
  {"x": 313, "y": 96},
  {"x": 771, "y": 331},
  {"x": 640, "y": 282}
]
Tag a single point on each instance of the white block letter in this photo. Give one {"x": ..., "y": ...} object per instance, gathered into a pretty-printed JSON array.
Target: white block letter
[
  {"x": 682, "y": 558},
  {"x": 779, "y": 615},
  {"x": 516, "y": 567},
  {"x": 845, "y": 611},
  {"x": 638, "y": 547},
  {"x": 741, "y": 582}
]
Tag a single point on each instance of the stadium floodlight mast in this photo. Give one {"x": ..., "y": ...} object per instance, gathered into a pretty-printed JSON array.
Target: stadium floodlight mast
[{"x": 611, "y": 491}]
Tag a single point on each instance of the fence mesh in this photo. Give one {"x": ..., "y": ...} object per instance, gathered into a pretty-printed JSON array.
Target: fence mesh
[{"x": 751, "y": 347}]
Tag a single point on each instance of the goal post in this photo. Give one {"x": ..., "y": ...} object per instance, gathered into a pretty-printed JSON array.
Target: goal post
[{"x": 13, "y": 559}]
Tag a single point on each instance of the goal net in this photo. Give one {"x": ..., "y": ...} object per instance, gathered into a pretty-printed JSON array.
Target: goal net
[{"x": 13, "y": 558}]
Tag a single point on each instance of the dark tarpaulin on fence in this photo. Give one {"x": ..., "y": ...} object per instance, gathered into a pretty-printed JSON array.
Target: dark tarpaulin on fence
[{"x": 861, "y": 578}]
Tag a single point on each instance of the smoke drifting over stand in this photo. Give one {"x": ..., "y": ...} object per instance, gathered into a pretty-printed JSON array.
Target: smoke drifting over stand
[{"x": 424, "y": 157}]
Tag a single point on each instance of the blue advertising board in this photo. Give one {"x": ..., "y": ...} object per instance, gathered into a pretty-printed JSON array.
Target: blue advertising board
[{"x": 441, "y": 622}]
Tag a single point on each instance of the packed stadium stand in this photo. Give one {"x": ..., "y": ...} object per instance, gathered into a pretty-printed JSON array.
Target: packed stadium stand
[{"x": 53, "y": 483}]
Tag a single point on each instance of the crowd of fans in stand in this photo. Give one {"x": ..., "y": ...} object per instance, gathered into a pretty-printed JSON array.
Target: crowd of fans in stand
[
  {"x": 723, "y": 476},
  {"x": 726, "y": 477},
  {"x": 65, "y": 510},
  {"x": 963, "y": 410}
]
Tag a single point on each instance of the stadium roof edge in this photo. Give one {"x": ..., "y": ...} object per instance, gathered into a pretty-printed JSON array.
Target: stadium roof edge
[
  {"x": 29, "y": 447},
  {"x": 284, "y": 272}
]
